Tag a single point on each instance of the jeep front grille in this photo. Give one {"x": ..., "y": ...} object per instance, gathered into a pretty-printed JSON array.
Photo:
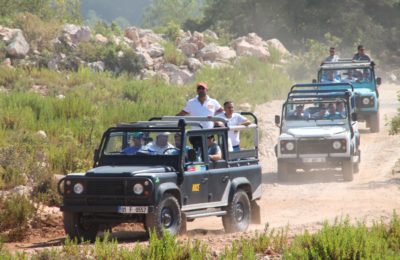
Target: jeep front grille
[
  {"x": 104, "y": 188},
  {"x": 313, "y": 146}
]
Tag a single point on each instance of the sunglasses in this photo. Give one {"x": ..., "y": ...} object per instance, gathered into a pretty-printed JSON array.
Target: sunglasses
[{"x": 200, "y": 87}]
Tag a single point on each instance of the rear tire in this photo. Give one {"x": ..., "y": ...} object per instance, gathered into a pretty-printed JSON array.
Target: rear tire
[
  {"x": 238, "y": 216},
  {"x": 347, "y": 170},
  {"x": 374, "y": 123},
  {"x": 75, "y": 228}
]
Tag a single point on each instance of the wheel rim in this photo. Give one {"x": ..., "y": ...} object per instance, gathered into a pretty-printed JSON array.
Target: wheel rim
[
  {"x": 167, "y": 217},
  {"x": 239, "y": 212}
]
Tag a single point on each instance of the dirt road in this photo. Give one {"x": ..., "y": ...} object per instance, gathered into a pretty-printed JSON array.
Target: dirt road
[{"x": 311, "y": 199}]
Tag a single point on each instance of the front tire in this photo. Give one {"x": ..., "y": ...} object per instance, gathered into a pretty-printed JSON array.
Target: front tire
[
  {"x": 166, "y": 217},
  {"x": 347, "y": 170},
  {"x": 75, "y": 228},
  {"x": 238, "y": 216}
]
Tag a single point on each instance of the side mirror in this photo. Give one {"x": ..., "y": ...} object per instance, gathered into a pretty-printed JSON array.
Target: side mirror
[
  {"x": 314, "y": 81},
  {"x": 378, "y": 81},
  {"x": 191, "y": 153},
  {"x": 353, "y": 116},
  {"x": 277, "y": 120}
]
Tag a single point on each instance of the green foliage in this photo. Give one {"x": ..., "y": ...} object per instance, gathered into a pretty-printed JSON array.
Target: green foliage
[
  {"x": 162, "y": 12},
  {"x": 395, "y": 122},
  {"x": 344, "y": 241},
  {"x": 2, "y": 50},
  {"x": 15, "y": 213},
  {"x": 172, "y": 54},
  {"x": 59, "y": 10},
  {"x": 37, "y": 32}
]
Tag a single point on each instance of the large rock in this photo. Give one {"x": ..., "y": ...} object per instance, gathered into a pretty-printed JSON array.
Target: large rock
[
  {"x": 18, "y": 47},
  {"x": 97, "y": 66},
  {"x": 276, "y": 44},
  {"x": 176, "y": 75},
  {"x": 101, "y": 39},
  {"x": 244, "y": 48},
  {"x": 145, "y": 59},
  {"x": 189, "y": 48},
  {"x": 132, "y": 33},
  {"x": 213, "y": 52},
  {"x": 193, "y": 64},
  {"x": 155, "y": 50},
  {"x": 77, "y": 33}
]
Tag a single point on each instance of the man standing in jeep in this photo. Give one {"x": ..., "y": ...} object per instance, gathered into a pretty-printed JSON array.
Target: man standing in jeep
[{"x": 360, "y": 55}]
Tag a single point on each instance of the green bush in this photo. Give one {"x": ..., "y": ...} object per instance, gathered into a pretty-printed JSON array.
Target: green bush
[
  {"x": 172, "y": 54},
  {"x": 15, "y": 212}
]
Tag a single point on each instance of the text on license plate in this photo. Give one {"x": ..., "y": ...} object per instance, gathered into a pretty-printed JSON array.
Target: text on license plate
[
  {"x": 133, "y": 210},
  {"x": 313, "y": 160}
]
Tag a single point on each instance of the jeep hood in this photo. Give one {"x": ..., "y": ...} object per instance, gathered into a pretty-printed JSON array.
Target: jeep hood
[
  {"x": 364, "y": 92},
  {"x": 126, "y": 171},
  {"x": 325, "y": 132}
]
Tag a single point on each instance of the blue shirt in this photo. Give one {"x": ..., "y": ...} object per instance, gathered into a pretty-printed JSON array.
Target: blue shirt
[{"x": 131, "y": 150}]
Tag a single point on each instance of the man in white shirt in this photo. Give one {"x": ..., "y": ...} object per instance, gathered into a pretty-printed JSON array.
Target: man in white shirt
[
  {"x": 160, "y": 145},
  {"x": 233, "y": 119},
  {"x": 332, "y": 55},
  {"x": 202, "y": 105}
]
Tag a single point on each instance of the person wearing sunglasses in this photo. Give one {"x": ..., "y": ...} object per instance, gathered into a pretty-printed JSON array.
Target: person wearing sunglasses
[{"x": 202, "y": 105}]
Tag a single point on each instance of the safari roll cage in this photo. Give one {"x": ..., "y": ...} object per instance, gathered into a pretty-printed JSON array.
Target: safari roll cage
[{"x": 320, "y": 85}]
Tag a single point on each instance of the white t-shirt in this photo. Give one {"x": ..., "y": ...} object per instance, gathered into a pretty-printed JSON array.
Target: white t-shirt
[
  {"x": 153, "y": 147},
  {"x": 208, "y": 108},
  {"x": 236, "y": 119}
]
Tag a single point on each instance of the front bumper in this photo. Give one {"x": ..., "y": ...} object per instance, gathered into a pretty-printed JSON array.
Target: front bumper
[
  {"x": 96, "y": 209},
  {"x": 327, "y": 161}
]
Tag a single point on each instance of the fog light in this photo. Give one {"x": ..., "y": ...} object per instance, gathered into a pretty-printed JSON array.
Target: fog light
[{"x": 78, "y": 188}]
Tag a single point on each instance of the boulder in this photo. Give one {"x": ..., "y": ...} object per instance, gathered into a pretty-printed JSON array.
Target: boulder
[
  {"x": 77, "y": 33},
  {"x": 155, "y": 50},
  {"x": 276, "y": 44},
  {"x": 97, "y": 66},
  {"x": 193, "y": 64},
  {"x": 176, "y": 75},
  {"x": 101, "y": 39},
  {"x": 42, "y": 90},
  {"x": 41, "y": 134},
  {"x": 147, "y": 74},
  {"x": 211, "y": 35},
  {"x": 189, "y": 48},
  {"x": 212, "y": 52},
  {"x": 145, "y": 59},
  {"x": 18, "y": 46},
  {"x": 244, "y": 48},
  {"x": 132, "y": 33}
]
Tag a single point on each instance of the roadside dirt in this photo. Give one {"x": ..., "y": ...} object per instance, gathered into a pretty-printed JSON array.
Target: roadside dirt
[{"x": 306, "y": 202}]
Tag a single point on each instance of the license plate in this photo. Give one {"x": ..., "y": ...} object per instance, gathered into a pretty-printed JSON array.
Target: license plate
[
  {"x": 133, "y": 210},
  {"x": 313, "y": 160}
]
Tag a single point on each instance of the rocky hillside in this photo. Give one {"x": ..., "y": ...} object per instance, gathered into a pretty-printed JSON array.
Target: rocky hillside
[{"x": 153, "y": 55}]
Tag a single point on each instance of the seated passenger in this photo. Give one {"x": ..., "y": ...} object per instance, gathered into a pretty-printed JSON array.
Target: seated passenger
[
  {"x": 332, "y": 113},
  {"x": 160, "y": 145},
  {"x": 298, "y": 114},
  {"x": 214, "y": 151},
  {"x": 135, "y": 143},
  {"x": 178, "y": 145},
  {"x": 341, "y": 109},
  {"x": 330, "y": 77},
  {"x": 320, "y": 113}
]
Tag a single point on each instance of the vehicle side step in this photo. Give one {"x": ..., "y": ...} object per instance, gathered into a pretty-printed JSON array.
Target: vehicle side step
[{"x": 204, "y": 213}]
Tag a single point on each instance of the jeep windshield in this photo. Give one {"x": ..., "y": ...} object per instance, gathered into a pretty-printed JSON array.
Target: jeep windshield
[
  {"x": 334, "y": 110},
  {"x": 358, "y": 77},
  {"x": 142, "y": 143}
]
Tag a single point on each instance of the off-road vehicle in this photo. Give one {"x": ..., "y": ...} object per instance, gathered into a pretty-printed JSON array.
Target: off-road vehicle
[
  {"x": 164, "y": 189},
  {"x": 361, "y": 74},
  {"x": 325, "y": 135}
]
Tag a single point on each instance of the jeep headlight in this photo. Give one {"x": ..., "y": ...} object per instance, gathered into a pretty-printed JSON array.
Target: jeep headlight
[
  {"x": 336, "y": 145},
  {"x": 365, "y": 101},
  {"x": 289, "y": 146},
  {"x": 138, "y": 188},
  {"x": 78, "y": 188}
]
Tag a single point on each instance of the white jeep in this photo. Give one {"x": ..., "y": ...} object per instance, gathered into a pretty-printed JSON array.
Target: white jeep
[{"x": 318, "y": 130}]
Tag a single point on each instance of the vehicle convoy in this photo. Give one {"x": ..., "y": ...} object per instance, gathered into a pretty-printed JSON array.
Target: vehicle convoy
[
  {"x": 318, "y": 130},
  {"x": 361, "y": 74},
  {"x": 164, "y": 188}
]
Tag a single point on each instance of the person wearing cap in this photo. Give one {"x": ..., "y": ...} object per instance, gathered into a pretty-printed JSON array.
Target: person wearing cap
[
  {"x": 360, "y": 55},
  {"x": 135, "y": 143},
  {"x": 202, "y": 105},
  {"x": 234, "y": 119},
  {"x": 214, "y": 151},
  {"x": 298, "y": 113},
  {"x": 160, "y": 145}
]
